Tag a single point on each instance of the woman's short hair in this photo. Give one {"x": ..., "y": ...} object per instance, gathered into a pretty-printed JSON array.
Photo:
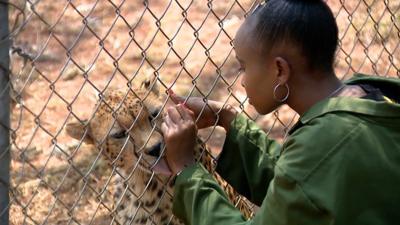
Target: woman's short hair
[{"x": 308, "y": 24}]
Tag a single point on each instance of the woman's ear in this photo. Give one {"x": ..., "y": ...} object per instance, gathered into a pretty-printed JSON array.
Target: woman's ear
[{"x": 283, "y": 70}]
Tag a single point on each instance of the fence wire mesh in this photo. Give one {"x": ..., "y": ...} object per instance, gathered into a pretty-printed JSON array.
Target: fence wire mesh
[{"x": 66, "y": 56}]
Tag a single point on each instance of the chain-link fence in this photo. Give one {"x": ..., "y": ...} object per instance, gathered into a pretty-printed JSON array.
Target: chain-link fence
[{"x": 63, "y": 52}]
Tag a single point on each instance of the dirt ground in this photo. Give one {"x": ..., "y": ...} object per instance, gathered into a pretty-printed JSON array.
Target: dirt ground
[{"x": 80, "y": 48}]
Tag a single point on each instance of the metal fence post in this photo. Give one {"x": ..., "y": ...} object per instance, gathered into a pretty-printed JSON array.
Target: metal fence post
[{"x": 4, "y": 114}]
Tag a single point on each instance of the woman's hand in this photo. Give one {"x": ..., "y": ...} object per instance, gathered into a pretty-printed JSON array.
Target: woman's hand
[
  {"x": 212, "y": 111},
  {"x": 180, "y": 132}
]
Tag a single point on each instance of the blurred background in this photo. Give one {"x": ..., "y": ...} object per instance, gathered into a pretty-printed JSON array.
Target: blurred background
[{"x": 64, "y": 52}]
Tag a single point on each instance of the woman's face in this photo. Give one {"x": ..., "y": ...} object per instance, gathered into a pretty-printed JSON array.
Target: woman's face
[{"x": 257, "y": 71}]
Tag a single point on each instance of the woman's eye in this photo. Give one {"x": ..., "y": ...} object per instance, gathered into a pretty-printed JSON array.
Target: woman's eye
[{"x": 119, "y": 135}]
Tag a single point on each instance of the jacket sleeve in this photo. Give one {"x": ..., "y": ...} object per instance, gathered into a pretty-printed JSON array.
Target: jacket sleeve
[
  {"x": 198, "y": 200},
  {"x": 247, "y": 159}
]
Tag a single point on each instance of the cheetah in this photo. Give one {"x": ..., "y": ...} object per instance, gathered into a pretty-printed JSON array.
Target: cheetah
[{"x": 125, "y": 129}]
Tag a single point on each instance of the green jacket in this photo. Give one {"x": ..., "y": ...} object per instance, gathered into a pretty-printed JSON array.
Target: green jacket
[{"x": 339, "y": 165}]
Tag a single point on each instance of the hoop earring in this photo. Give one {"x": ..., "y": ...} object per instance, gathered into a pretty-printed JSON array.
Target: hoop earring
[{"x": 286, "y": 96}]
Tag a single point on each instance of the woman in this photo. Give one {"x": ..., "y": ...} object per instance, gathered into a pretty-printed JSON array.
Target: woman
[{"x": 340, "y": 163}]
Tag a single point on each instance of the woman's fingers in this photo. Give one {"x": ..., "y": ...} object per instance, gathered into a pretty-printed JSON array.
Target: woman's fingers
[
  {"x": 168, "y": 121},
  {"x": 175, "y": 98},
  {"x": 167, "y": 124},
  {"x": 164, "y": 128},
  {"x": 186, "y": 113},
  {"x": 174, "y": 115},
  {"x": 192, "y": 103}
]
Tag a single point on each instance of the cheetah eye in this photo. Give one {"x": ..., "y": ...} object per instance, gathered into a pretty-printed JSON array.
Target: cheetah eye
[
  {"x": 147, "y": 84},
  {"x": 119, "y": 135}
]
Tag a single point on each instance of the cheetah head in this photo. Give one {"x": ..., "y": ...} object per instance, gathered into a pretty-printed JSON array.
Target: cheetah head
[{"x": 125, "y": 128}]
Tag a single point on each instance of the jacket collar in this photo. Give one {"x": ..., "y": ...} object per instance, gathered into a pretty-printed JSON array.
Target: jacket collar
[
  {"x": 352, "y": 105},
  {"x": 357, "y": 105}
]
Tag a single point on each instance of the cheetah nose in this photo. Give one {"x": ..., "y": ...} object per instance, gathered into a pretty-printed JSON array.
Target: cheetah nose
[
  {"x": 155, "y": 113},
  {"x": 155, "y": 150}
]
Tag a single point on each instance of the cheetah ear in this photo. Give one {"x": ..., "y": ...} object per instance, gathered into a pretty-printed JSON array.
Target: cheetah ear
[
  {"x": 150, "y": 83},
  {"x": 78, "y": 131}
]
